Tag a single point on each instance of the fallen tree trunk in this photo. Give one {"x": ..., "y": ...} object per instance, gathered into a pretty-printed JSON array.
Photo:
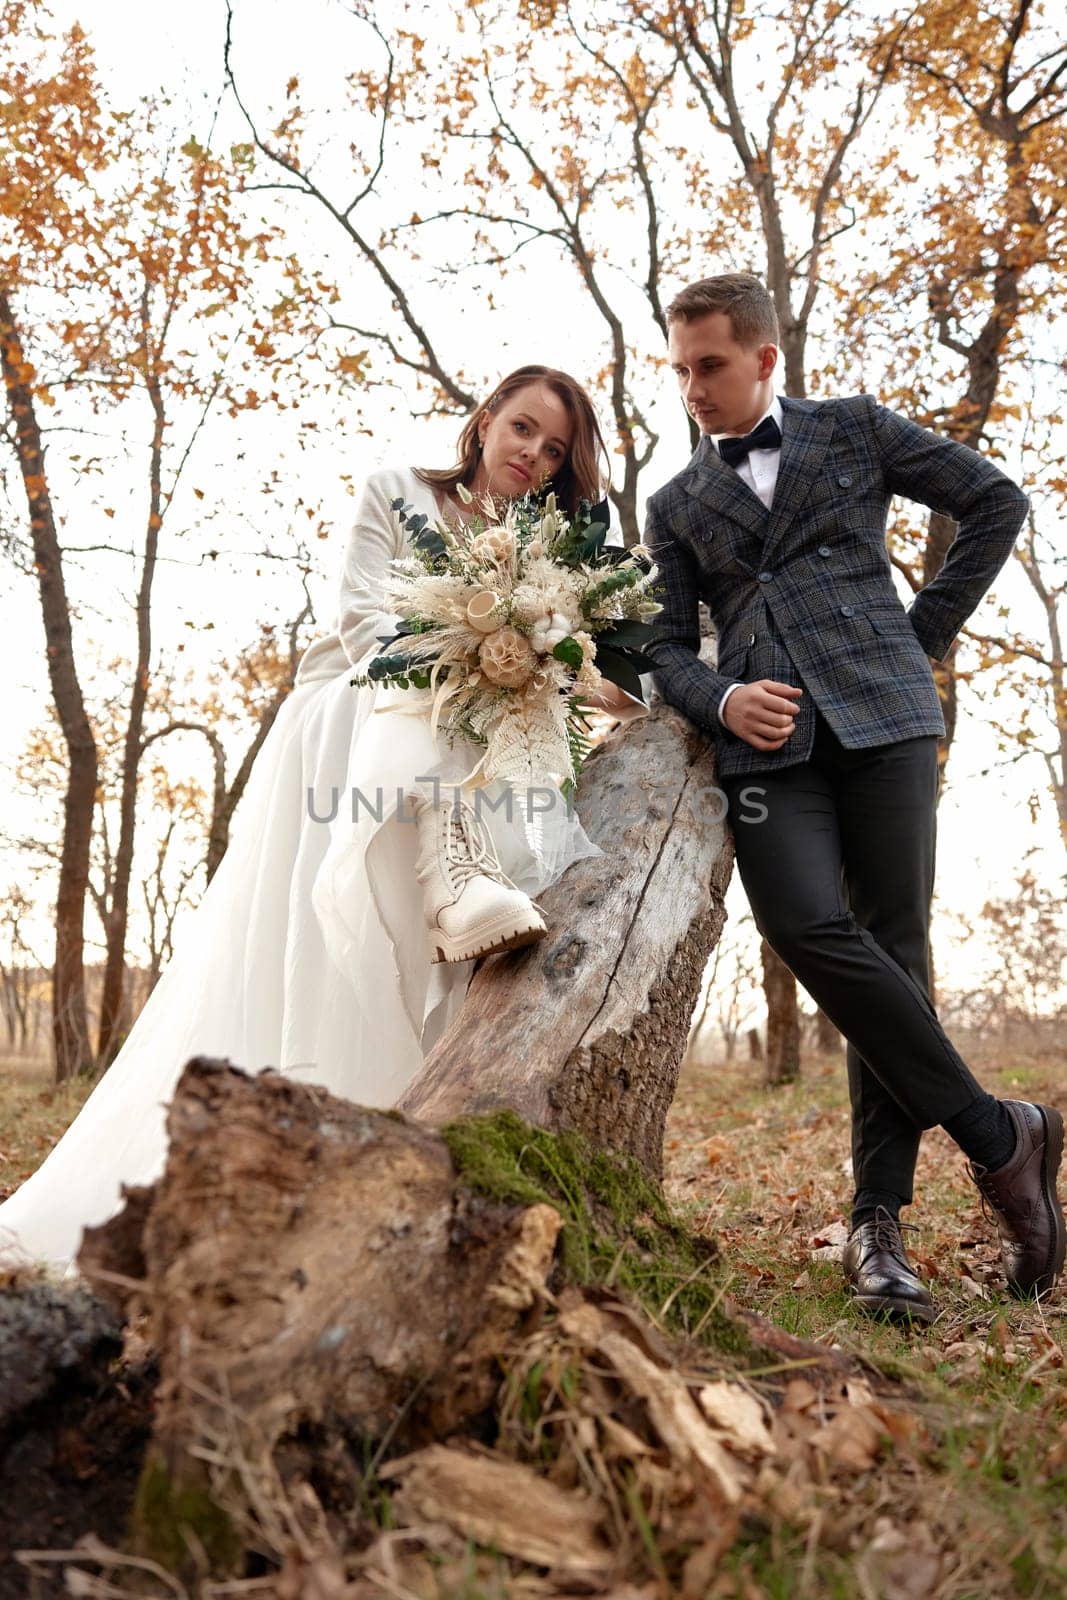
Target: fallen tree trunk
[
  {"x": 325, "y": 1284},
  {"x": 587, "y": 1030},
  {"x": 305, "y": 1260},
  {"x": 330, "y": 1289}
]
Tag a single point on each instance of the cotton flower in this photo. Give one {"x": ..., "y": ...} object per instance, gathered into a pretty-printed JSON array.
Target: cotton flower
[
  {"x": 547, "y": 632},
  {"x": 507, "y": 658}
]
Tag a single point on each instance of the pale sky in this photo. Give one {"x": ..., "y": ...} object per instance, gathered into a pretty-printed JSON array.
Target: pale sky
[{"x": 985, "y": 831}]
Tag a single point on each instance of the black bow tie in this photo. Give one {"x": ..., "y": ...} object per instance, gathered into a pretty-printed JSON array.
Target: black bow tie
[{"x": 768, "y": 436}]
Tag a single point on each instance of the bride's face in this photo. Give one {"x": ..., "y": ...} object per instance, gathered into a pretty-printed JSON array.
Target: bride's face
[{"x": 524, "y": 442}]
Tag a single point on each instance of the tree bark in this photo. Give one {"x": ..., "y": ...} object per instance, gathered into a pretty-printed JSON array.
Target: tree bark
[
  {"x": 314, "y": 1273},
  {"x": 111, "y": 998},
  {"x": 588, "y": 1032},
  {"x": 70, "y": 1017},
  {"x": 783, "y": 1020},
  {"x": 332, "y": 1192},
  {"x": 828, "y": 1041}
]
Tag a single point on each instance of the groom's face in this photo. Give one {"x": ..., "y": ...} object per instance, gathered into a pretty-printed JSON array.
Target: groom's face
[{"x": 723, "y": 383}]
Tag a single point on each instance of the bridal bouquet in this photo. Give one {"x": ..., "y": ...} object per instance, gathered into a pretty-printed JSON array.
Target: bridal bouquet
[{"x": 510, "y": 621}]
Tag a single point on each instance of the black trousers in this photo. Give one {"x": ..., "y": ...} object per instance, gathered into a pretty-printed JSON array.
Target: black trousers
[{"x": 837, "y": 858}]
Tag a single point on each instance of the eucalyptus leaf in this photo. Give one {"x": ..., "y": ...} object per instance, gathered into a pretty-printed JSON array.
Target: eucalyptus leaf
[
  {"x": 569, "y": 651},
  {"x": 387, "y": 667}
]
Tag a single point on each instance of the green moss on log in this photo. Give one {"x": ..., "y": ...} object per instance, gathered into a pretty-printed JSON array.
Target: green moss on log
[
  {"x": 618, "y": 1231},
  {"x": 165, "y": 1513}
]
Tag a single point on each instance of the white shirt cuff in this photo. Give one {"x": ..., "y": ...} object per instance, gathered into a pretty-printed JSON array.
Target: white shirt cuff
[{"x": 722, "y": 702}]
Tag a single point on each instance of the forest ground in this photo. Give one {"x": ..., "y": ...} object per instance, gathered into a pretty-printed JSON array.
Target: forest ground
[{"x": 969, "y": 1503}]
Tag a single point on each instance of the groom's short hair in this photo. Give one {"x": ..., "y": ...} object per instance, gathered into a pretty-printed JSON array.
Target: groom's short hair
[{"x": 741, "y": 295}]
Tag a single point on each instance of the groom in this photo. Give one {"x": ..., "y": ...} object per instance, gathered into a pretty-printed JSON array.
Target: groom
[{"x": 827, "y": 718}]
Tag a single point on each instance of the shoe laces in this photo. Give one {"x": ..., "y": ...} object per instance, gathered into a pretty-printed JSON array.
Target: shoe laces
[
  {"x": 466, "y": 850},
  {"x": 985, "y": 1199},
  {"x": 888, "y": 1234}
]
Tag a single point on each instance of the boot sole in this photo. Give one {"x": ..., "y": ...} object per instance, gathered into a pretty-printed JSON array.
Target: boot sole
[
  {"x": 1050, "y": 1166},
  {"x": 509, "y": 938},
  {"x": 878, "y": 1305}
]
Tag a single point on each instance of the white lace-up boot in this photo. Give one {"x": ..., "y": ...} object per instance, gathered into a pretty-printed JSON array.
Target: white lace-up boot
[{"x": 472, "y": 908}]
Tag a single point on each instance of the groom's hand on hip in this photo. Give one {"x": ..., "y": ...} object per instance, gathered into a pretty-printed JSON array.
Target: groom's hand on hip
[{"x": 762, "y": 713}]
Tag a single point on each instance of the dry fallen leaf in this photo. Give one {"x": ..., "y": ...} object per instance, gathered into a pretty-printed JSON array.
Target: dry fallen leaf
[
  {"x": 674, "y": 1415},
  {"x": 739, "y": 1416},
  {"x": 800, "y": 1395},
  {"x": 828, "y": 1243},
  {"x": 853, "y": 1438},
  {"x": 835, "y": 1233},
  {"x": 899, "y": 1564}
]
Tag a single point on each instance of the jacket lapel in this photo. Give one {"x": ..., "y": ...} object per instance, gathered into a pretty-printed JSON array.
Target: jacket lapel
[
  {"x": 806, "y": 431},
  {"x": 718, "y": 487}
]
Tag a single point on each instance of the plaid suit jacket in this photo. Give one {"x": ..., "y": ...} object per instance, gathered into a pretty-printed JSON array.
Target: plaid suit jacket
[{"x": 803, "y": 592}]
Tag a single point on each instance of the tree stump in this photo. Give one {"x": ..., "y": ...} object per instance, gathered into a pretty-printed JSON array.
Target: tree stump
[
  {"x": 587, "y": 1030},
  {"x": 331, "y": 1288},
  {"x": 305, "y": 1260}
]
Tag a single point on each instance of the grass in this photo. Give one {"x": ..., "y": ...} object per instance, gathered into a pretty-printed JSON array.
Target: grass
[
  {"x": 33, "y": 1114},
  {"x": 767, "y": 1172}
]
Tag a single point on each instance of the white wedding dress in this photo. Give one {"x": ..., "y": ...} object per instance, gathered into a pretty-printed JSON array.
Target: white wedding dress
[{"x": 308, "y": 952}]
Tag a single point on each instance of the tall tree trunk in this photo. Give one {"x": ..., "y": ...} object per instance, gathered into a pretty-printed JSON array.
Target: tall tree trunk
[
  {"x": 70, "y": 1017},
  {"x": 111, "y": 1006},
  {"x": 827, "y": 1039},
  {"x": 968, "y": 418},
  {"x": 783, "y": 1020},
  {"x": 779, "y": 985}
]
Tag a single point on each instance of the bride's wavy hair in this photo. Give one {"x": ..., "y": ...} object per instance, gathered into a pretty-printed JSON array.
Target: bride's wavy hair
[{"x": 581, "y": 476}]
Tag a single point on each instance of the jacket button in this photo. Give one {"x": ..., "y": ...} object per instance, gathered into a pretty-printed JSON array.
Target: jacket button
[
  {"x": 845, "y": 480},
  {"x": 752, "y": 638},
  {"x": 824, "y": 549},
  {"x": 766, "y": 577},
  {"x": 846, "y": 611}
]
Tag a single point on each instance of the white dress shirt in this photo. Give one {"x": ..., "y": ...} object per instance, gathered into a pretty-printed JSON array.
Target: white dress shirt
[{"x": 759, "y": 470}]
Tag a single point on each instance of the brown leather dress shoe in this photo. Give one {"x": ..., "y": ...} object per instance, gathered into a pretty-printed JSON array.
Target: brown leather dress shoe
[
  {"x": 1022, "y": 1194},
  {"x": 883, "y": 1281}
]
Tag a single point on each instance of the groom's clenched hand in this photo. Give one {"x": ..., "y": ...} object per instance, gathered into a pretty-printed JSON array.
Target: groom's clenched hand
[{"x": 762, "y": 713}]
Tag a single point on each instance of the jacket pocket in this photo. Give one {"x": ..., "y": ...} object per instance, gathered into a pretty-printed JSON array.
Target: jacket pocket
[
  {"x": 890, "y": 622},
  {"x": 731, "y": 664}
]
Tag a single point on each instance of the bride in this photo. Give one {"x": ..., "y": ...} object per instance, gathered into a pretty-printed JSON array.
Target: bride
[{"x": 338, "y": 936}]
